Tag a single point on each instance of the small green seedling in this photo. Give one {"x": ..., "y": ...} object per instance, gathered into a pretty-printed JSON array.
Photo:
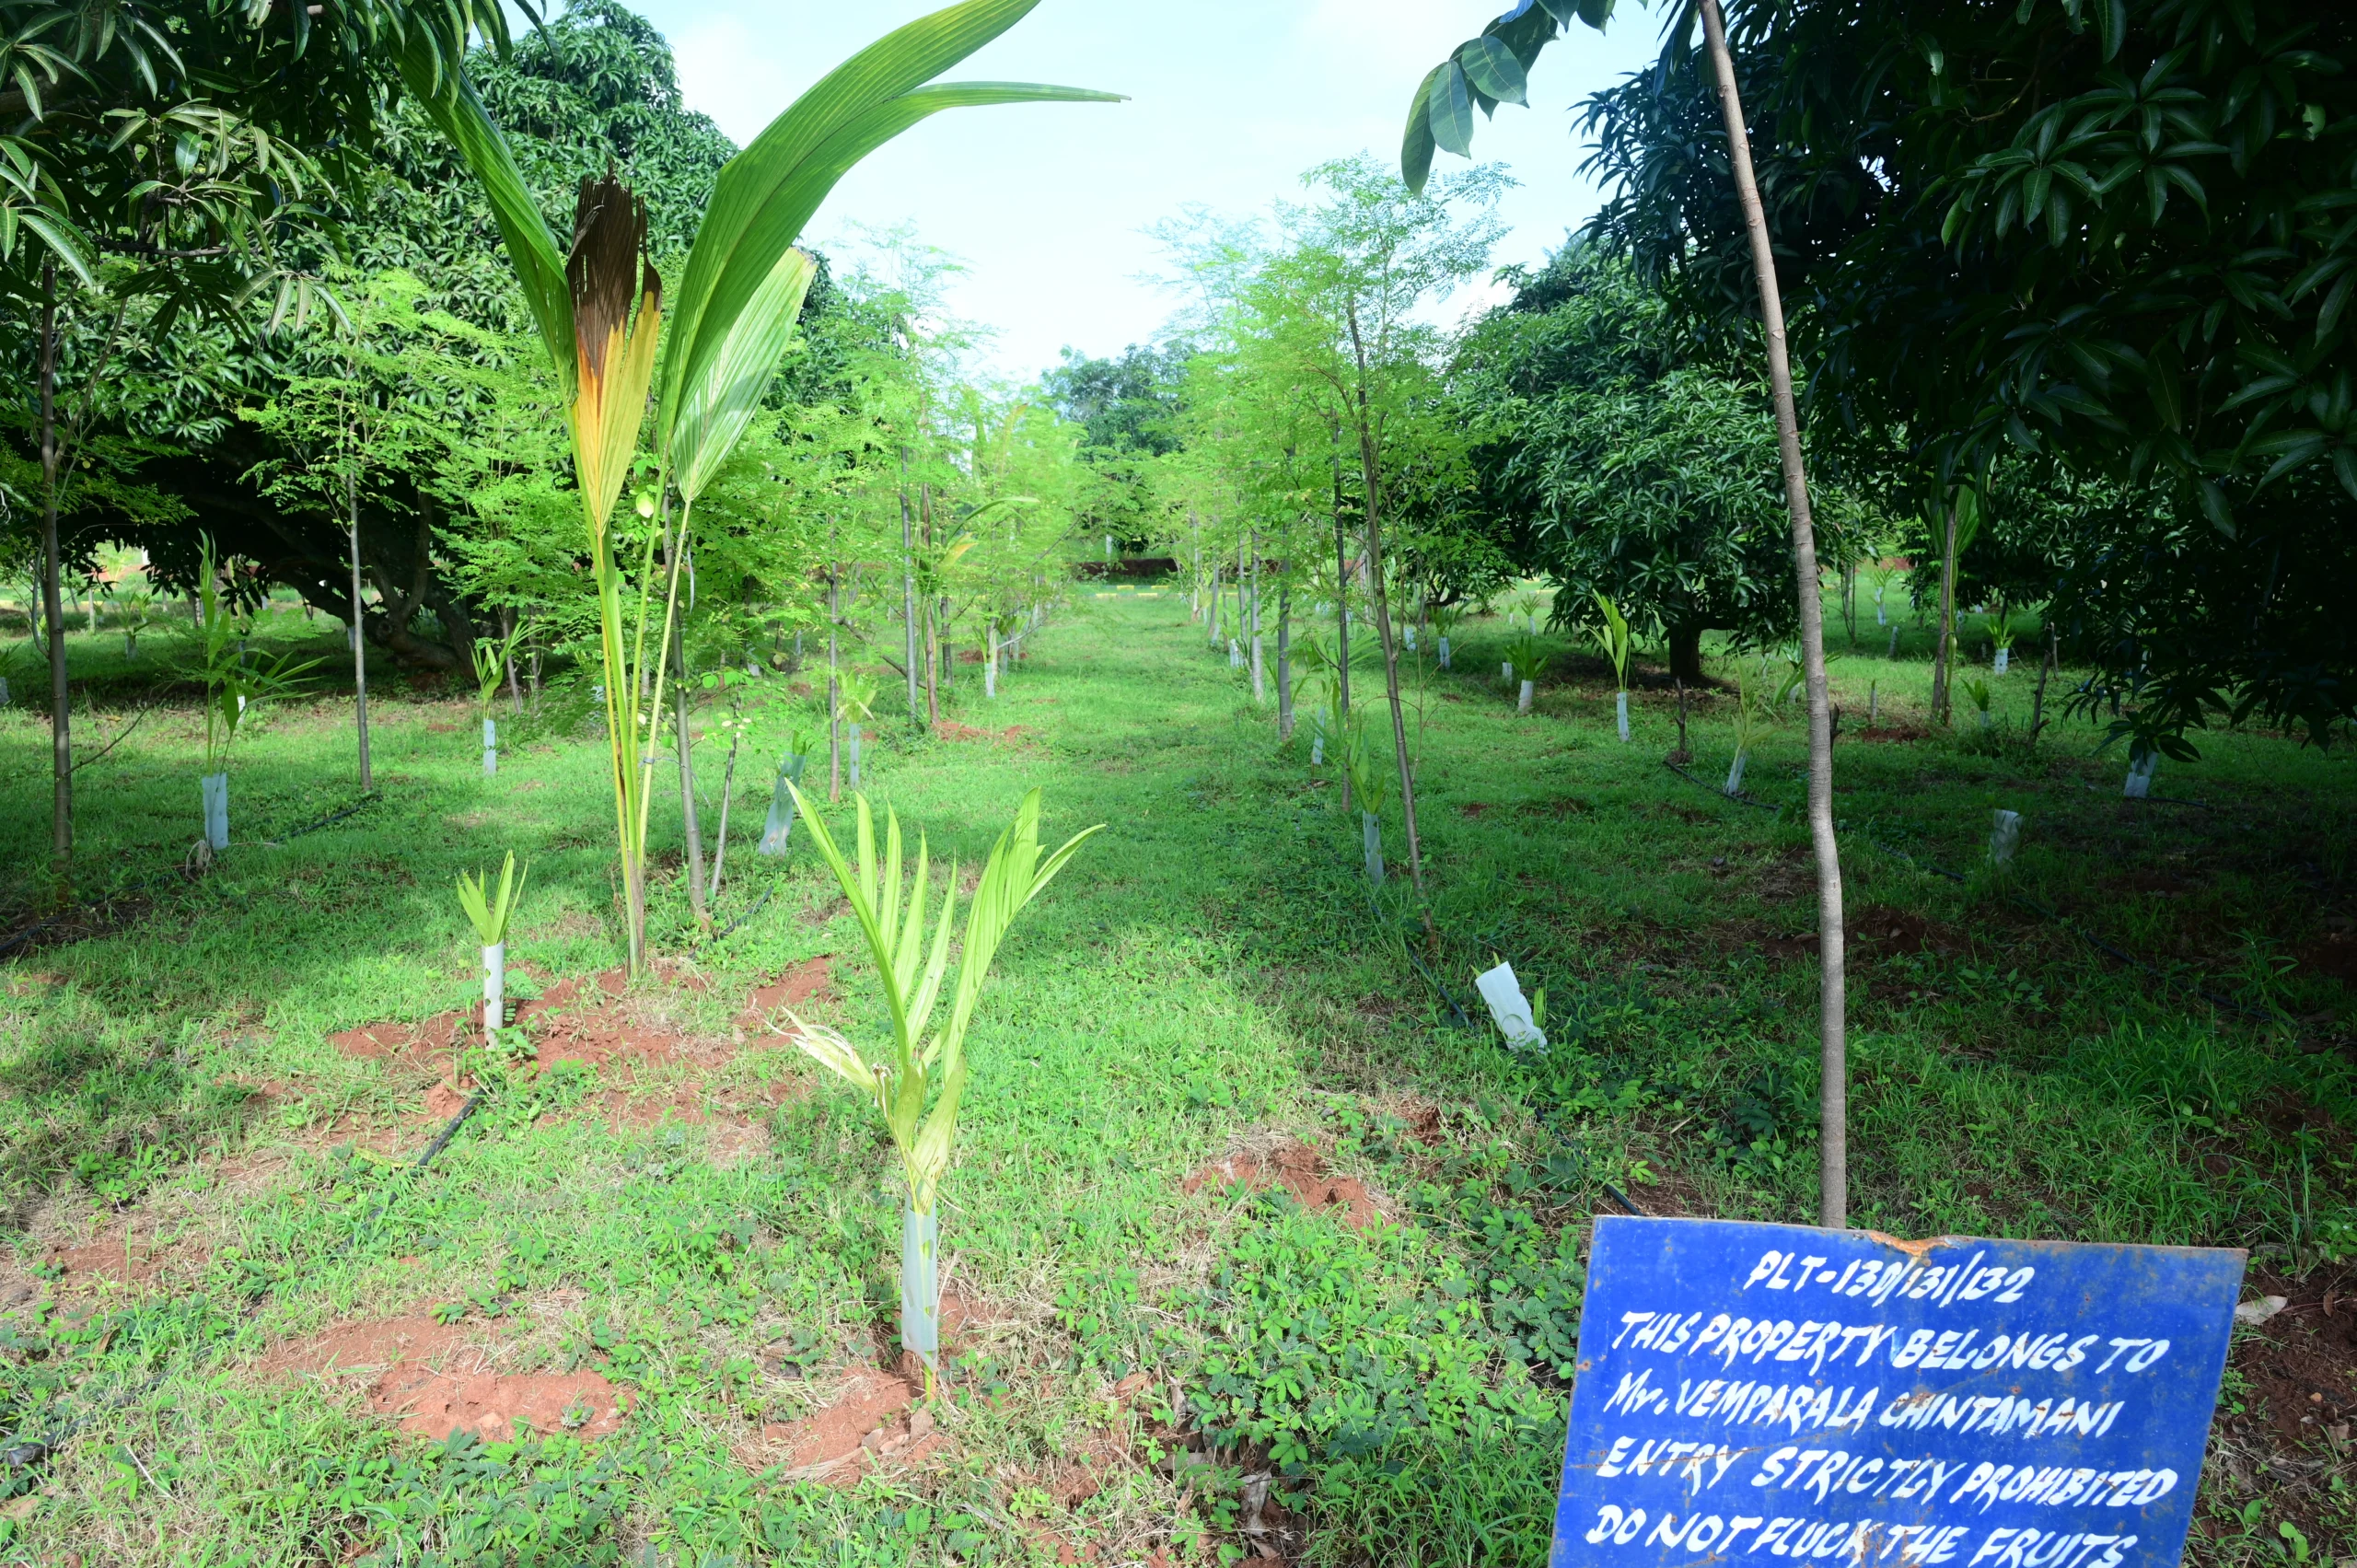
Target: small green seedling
[
  {"x": 490, "y": 668},
  {"x": 491, "y": 911},
  {"x": 234, "y": 685},
  {"x": 1978, "y": 690},
  {"x": 1613, "y": 637},
  {"x": 1529, "y": 658},
  {"x": 1371, "y": 780},
  {"x": 911, "y": 970}
]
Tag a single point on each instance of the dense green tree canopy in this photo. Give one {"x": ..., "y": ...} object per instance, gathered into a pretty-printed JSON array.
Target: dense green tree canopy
[
  {"x": 2115, "y": 235},
  {"x": 1631, "y": 465}
]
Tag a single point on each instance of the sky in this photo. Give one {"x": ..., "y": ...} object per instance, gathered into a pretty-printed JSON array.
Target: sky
[{"x": 1231, "y": 101}]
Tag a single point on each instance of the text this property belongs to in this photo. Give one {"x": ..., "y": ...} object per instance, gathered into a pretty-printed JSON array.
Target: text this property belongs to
[{"x": 1754, "y": 1392}]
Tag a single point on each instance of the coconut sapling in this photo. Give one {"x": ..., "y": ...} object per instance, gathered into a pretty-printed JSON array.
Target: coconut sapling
[
  {"x": 234, "y": 686},
  {"x": 799, "y": 745},
  {"x": 491, "y": 911},
  {"x": 1978, "y": 693},
  {"x": 918, "y": 1089},
  {"x": 1527, "y": 662},
  {"x": 490, "y": 661},
  {"x": 1612, "y": 635},
  {"x": 855, "y": 701},
  {"x": 2002, "y": 633},
  {"x": 1754, "y": 708},
  {"x": 1443, "y": 619},
  {"x": 1371, "y": 777}
]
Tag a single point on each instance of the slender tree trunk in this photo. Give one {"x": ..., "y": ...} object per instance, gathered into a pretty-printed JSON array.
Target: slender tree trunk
[
  {"x": 2045, "y": 672},
  {"x": 1833, "y": 1110},
  {"x": 61, "y": 733},
  {"x": 1944, "y": 653},
  {"x": 1285, "y": 661},
  {"x": 507, "y": 640},
  {"x": 1686, "y": 654},
  {"x": 1382, "y": 596},
  {"x": 909, "y": 587},
  {"x": 931, "y": 634},
  {"x": 1195, "y": 550},
  {"x": 727, "y": 793},
  {"x": 359, "y": 633},
  {"x": 1342, "y": 617},
  {"x": 1260, "y": 675},
  {"x": 692, "y": 830},
  {"x": 834, "y": 677}
]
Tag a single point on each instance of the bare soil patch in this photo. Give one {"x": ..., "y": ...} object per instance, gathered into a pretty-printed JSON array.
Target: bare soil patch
[
  {"x": 806, "y": 982},
  {"x": 949, "y": 729},
  {"x": 1880, "y": 929},
  {"x": 435, "y": 1379},
  {"x": 412, "y": 1046},
  {"x": 2300, "y": 1369},
  {"x": 1299, "y": 1169},
  {"x": 869, "y": 1418}
]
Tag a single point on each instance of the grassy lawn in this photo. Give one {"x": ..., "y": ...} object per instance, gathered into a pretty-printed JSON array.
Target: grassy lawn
[{"x": 1252, "y": 1248}]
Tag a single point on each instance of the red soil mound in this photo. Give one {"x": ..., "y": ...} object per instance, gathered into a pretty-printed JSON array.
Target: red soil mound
[
  {"x": 430, "y": 1376},
  {"x": 1298, "y": 1168}
]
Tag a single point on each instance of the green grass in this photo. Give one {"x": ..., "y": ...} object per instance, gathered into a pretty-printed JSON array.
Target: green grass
[{"x": 1210, "y": 974}]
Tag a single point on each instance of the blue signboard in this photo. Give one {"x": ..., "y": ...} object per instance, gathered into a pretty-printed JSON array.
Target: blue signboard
[{"x": 1751, "y": 1393}]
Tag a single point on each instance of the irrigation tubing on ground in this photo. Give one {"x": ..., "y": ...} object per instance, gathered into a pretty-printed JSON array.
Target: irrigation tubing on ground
[
  {"x": 738, "y": 923},
  {"x": 23, "y": 1456},
  {"x": 28, "y": 932},
  {"x": 2043, "y": 910}
]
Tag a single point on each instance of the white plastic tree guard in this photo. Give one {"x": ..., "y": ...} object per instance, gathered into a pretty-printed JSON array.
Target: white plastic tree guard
[
  {"x": 217, "y": 811},
  {"x": 1508, "y": 1009},
  {"x": 2004, "y": 836}
]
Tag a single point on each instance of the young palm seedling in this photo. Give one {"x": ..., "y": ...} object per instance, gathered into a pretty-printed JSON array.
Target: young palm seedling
[
  {"x": 234, "y": 685},
  {"x": 912, "y": 969},
  {"x": 775, "y": 834},
  {"x": 2002, "y": 633},
  {"x": 1444, "y": 618},
  {"x": 490, "y": 668},
  {"x": 1754, "y": 708},
  {"x": 490, "y": 909},
  {"x": 1978, "y": 690},
  {"x": 855, "y": 701},
  {"x": 1320, "y": 677},
  {"x": 1371, "y": 782},
  {"x": 1527, "y": 660},
  {"x": 1613, "y": 637}
]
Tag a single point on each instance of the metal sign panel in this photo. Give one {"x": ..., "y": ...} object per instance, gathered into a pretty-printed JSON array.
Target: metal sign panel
[{"x": 1757, "y": 1393}]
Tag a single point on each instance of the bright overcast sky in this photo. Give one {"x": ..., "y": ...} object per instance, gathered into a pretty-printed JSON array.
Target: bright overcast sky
[{"x": 1231, "y": 101}]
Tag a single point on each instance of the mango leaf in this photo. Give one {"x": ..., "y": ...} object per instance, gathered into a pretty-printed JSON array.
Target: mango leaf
[
  {"x": 1416, "y": 145},
  {"x": 1492, "y": 68},
  {"x": 449, "y": 99},
  {"x": 1449, "y": 106}
]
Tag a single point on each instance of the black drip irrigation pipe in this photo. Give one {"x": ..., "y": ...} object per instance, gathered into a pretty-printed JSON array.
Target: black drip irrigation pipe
[
  {"x": 24, "y": 1455},
  {"x": 2034, "y": 906},
  {"x": 28, "y": 932},
  {"x": 738, "y": 923}
]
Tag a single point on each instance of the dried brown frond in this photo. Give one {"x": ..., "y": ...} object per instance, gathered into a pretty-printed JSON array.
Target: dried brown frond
[{"x": 606, "y": 265}]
